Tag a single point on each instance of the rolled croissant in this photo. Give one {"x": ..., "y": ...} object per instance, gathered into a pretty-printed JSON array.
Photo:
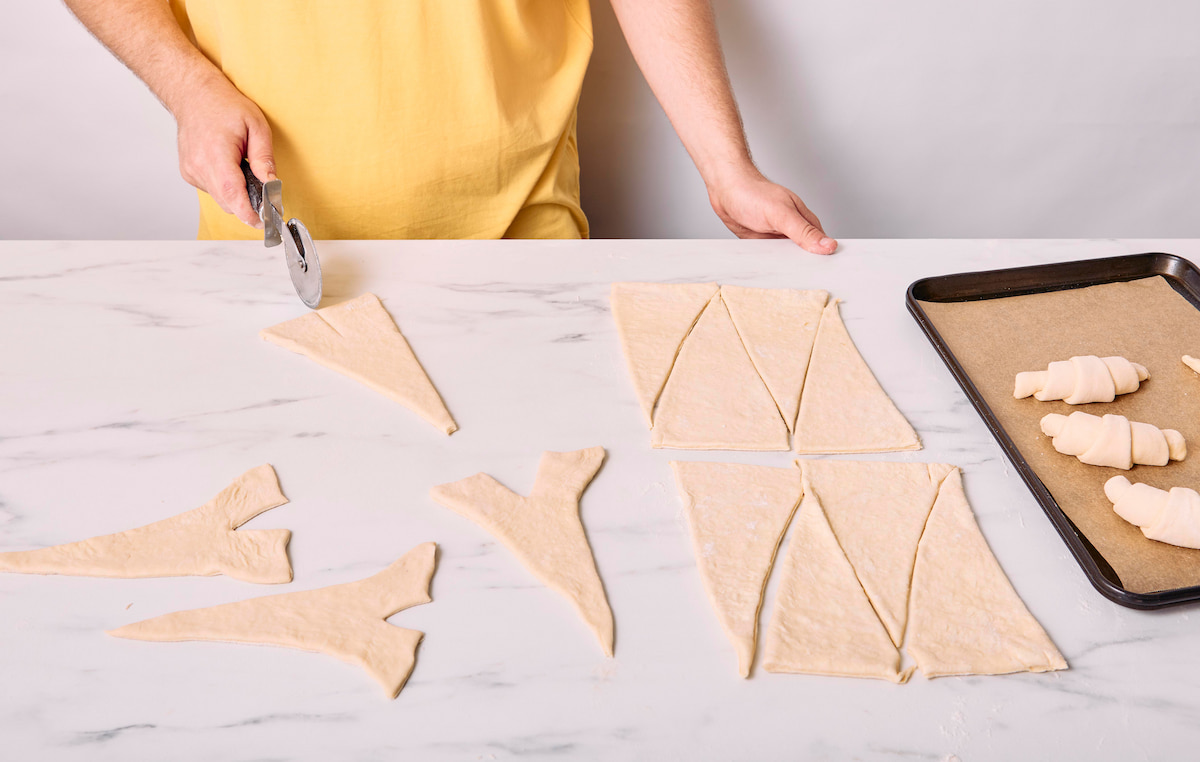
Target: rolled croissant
[
  {"x": 1081, "y": 380},
  {"x": 1171, "y": 517},
  {"x": 1113, "y": 440}
]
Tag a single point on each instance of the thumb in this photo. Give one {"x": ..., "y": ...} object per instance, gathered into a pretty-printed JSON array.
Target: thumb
[
  {"x": 260, "y": 151},
  {"x": 808, "y": 236}
]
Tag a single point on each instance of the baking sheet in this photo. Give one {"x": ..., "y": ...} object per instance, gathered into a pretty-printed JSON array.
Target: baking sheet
[{"x": 1144, "y": 320}]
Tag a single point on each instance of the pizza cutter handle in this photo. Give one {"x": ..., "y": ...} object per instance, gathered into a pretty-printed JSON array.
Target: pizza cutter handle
[{"x": 254, "y": 187}]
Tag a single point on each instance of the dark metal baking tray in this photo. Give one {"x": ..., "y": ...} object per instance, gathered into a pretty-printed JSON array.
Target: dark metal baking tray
[{"x": 994, "y": 284}]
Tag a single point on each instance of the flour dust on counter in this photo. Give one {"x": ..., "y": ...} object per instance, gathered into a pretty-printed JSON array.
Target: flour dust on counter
[
  {"x": 347, "y": 621},
  {"x": 883, "y": 555},
  {"x": 204, "y": 541},
  {"x": 749, "y": 368},
  {"x": 544, "y": 530},
  {"x": 359, "y": 339}
]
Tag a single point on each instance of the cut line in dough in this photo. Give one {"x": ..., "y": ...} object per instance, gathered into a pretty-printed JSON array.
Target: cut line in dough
[
  {"x": 737, "y": 515},
  {"x": 544, "y": 530},
  {"x": 199, "y": 542},
  {"x": 653, "y": 319},
  {"x": 843, "y": 409},
  {"x": 359, "y": 339},
  {"x": 346, "y": 621}
]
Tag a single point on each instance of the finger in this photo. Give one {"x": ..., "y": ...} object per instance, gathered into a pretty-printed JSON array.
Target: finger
[
  {"x": 228, "y": 187},
  {"x": 808, "y": 236},
  {"x": 260, "y": 151}
]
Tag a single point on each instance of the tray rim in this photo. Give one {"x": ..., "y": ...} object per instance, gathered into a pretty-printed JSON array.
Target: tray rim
[{"x": 1122, "y": 268}]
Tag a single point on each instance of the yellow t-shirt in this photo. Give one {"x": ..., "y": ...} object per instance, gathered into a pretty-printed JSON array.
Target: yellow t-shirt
[{"x": 409, "y": 118}]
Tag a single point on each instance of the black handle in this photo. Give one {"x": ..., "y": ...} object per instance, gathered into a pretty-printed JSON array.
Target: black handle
[{"x": 253, "y": 187}]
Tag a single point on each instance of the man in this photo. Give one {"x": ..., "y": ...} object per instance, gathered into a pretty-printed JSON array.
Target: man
[{"x": 426, "y": 118}]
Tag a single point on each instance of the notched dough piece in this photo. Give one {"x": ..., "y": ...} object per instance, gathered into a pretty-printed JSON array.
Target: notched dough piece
[
  {"x": 652, "y": 321},
  {"x": 737, "y": 514},
  {"x": 544, "y": 530},
  {"x": 345, "y": 621},
  {"x": 843, "y": 407},
  {"x": 359, "y": 339},
  {"x": 964, "y": 616},
  {"x": 1171, "y": 517},
  {"x": 200, "y": 542}
]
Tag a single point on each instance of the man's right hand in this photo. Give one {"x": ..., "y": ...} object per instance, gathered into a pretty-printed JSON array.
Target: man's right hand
[{"x": 217, "y": 127}]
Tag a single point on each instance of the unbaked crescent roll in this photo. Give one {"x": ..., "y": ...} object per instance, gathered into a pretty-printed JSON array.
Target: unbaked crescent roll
[
  {"x": 1171, "y": 517},
  {"x": 1113, "y": 440},
  {"x": 1081, "y": 380}
]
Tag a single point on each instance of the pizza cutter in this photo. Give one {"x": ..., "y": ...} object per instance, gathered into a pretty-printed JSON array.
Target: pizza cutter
[{"x": 298, "y": 248}]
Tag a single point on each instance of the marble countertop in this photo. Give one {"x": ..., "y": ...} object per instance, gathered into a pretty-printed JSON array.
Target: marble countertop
[{"x": 134, "y": 386}]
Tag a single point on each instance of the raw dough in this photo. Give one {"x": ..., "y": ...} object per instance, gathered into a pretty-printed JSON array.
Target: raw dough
[
  {"x": 714, "y": 398},
  {"x": 346, "y": 621},
  {"x": 1113, "y": 440},
  {"x": 823, "y": 623},
  {"x": 737, "y": 514},
  {"x": 652, "y": 320},
  {"x": 543, "y": 530},
  {"x": 877, "y": 511},
  {"x": 843, "y": 408},
  {"x": 1192, "y": 363},
  {"x": 1081, "y": 380},
  {"x": 1171, "y": 517},
  {"x": 964, "y": 616},
  {"x": 199, "y": 542},
  {"x": 778, "y": 327},
  {"x": 359, "y": 339}
]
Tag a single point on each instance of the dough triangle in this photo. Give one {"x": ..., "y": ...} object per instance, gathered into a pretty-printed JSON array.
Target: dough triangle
[
  {"x": 345, "y": 621},
  {"x": 843, "y": 408},
  {"x": 877, "y": 511},
  {"x": 199, "y": 542},
  {"x": 823, "y": 623},
  {"x": 714, "y": 399},
  {"x": 358, "y": 339},
  {"x": 543, "y": 530},
  {"x": 652, "y": 320},
  {"x": 964, "y": 616},
  {"x": 778, "y": 327},
  {"x": 737, "y": 514}
]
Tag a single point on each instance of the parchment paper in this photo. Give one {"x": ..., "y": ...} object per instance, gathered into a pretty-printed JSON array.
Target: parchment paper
[{"x": 1145, "y": 321}]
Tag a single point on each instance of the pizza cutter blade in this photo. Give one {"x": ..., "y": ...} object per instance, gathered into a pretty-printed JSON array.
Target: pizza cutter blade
[{"x": 298, "y": 249}]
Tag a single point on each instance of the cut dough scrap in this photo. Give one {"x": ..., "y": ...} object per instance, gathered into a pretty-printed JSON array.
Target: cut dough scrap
[
  {"x": 1113, "y": 440},
  {"x": 200, "y": 542},
  {"x": 1081, "y": 380},
  {"x": 544, "y": 530},
  {"x": 964, "y": 616},
  {"x": 877, "y": 511},
  {"x": 345, "y": 621},
  {"x": 737, "y": 514},
  {"x": 778, "y": 327},
  {"x": 652, "y": 321},
  {"x": 715, "y": 399},
  {"x": 359, "y": 339},
  {"x": 1171, "y": 517},
  {"x": 843, "y": 407},
  {"x": 823, "y": 623}
]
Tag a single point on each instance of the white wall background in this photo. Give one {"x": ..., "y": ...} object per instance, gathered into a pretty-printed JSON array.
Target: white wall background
[{"x": 927, "y": 118}]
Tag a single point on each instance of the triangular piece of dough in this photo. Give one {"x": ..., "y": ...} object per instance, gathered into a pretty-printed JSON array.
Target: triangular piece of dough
[
  {"x": 823, "y": 623},
  {"x": 877, "y": 511},
  {"x": 778, "y": 327},
  {"x": 359, "y": 339},
  {"x": 843, "y": 408},
  {"x": 200, "y": 542},
  {"x": 544, "y": 530},
  {"x": 714, "y": 399},
  {"x": 737, "y": 514},
  {"x": 652, "y": 321},
  {"x": 964, "y": 616},
  {"x": 345, "y": 621}
]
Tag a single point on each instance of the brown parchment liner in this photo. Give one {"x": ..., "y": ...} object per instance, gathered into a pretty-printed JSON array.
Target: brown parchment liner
[{"x": 1145, "y": 321}]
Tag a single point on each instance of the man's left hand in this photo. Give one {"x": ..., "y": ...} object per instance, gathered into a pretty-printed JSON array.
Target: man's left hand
[{"x": 754, "y": 207}]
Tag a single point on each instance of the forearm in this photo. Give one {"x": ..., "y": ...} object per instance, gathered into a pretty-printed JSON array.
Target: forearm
[
  {"x": 676, "y": 46},
  {"x": 145, "y": 36}
]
